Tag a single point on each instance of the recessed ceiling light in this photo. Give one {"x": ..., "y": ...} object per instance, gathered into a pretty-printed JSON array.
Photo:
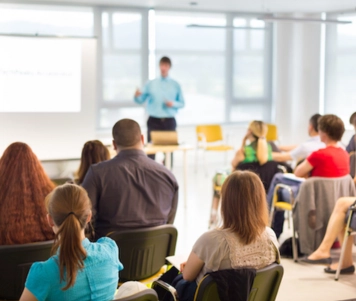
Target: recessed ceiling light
[{"x": 193, "y": 3}]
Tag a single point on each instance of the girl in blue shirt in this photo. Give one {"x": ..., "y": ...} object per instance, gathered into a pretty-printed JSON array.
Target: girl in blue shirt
[{"x": 79, "y": 269}]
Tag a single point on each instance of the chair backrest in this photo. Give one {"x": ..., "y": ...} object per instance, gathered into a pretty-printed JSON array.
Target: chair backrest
[
  {"x": 313, "y": 207},
  {"x": 272, "y": 134},
  {"x": 143, "y": 252},
  {"x": 15, "y": 263},
  {"x": 146, "y": 295},
  {"x": 266, "y": 171},
  {"x": 265, "y": 286},
  {"x": 211, "y": 133},
  {"x": 353, "y": 164}
]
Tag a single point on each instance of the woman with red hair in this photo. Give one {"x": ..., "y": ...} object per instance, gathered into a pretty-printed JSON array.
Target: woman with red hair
[{"x": 23, "y": 188}]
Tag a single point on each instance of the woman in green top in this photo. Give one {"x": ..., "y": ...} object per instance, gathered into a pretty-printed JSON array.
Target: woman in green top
[{"x": 258, "y": 150}]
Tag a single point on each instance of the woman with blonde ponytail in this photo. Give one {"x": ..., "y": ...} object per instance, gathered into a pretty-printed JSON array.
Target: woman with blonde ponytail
[
  {"x": 78, "y": 269},
  {"x": 259, "y": 150}
]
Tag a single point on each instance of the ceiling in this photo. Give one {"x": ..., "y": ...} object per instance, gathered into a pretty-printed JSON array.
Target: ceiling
[{"x": 295, "y": 6}]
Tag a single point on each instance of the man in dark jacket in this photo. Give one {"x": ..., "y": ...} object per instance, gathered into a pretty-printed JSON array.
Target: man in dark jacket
[{"x": 130, "y": 191}]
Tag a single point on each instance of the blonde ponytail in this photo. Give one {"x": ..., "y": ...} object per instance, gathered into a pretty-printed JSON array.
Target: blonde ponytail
[{"x": 69, "y": 207}]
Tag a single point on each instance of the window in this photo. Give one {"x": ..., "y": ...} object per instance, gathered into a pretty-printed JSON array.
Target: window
[
  {"x": 198, "y": 58},
  {"x": 340, "y": 72},
  {"x": 251, "y": 97},
  {"x": 46, "y": 20},
  {"x": 122, "y": 66}
]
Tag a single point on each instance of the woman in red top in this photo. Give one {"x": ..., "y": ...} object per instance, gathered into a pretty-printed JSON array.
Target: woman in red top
[{"x": 331, "y": 161}]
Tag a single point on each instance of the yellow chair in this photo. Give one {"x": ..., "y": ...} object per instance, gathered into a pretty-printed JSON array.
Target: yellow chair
[
  {"x": 210, "y": 138},
  {"x": 272, "y": 134},
  {"x": 276, "y": 205}
]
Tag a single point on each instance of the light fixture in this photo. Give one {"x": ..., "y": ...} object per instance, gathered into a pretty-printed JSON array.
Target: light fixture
[
  {"x": 225, "y": 27},
  {"x": 271, "y": 18}
]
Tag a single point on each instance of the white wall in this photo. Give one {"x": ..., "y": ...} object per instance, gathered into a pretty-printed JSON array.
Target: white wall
[{"x": 57, "y": 135}]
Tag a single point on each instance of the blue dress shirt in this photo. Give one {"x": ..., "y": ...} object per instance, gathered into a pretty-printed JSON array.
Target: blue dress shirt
[
  {"x": 97, "y": 281},
  {"x": 157, "y": 92}
]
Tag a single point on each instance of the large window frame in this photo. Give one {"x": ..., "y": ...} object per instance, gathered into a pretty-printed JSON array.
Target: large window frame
[{"x": 146, "y": 58}]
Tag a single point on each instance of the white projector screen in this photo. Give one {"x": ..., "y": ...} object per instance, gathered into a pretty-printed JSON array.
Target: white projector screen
[
  {"x": 56, "y": 135},
  {"x": 40, "y": 74}
]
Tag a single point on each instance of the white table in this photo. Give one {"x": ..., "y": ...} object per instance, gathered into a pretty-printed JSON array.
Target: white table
[{"x": 168, "y": 150}]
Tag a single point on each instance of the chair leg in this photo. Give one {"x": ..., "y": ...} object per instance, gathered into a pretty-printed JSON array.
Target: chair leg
[
  {"x": 288, "y": 218},
  {"x": 342, "y": 255},
  {"x": 294, "y": 244},
  {"x": 204, "y": 163},
  {"x": 271, "y": 215},
  {"x": 196, "y": 159}
]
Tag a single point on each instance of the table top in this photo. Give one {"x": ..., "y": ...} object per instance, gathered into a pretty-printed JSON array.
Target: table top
[{"x": 153, "y": 149}]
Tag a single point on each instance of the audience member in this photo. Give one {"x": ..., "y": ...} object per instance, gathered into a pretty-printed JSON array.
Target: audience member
[
  {"x": 336, "y": 228},
  {"x": 298, "y": 153},
  {"x": 23, "y": 188},
  {"x": 258, "y": 150},
  {"x": 130, "y": 190},
  {"x": 93, "y": 152},
  {"x": 78, "y": 269},
  {"x": 351, "y": 147},
  {"x": 243, "y": 241},
  {"x": 329, "y": 162}
]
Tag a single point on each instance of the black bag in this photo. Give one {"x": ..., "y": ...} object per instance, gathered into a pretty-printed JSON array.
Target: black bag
[{"x": 286, "y": 249}]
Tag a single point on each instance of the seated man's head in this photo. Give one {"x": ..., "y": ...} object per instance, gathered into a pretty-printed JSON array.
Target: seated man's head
[
  {"x": 313, "y": 125},
  {"x": 353, "y": 120},
  {"x": 331, "y": 128},
  {"x": 126, "y": 134}
]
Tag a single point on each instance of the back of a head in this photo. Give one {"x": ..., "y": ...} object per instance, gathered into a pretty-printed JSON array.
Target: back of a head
[
  {"x": 259, "y": 130},
  {"x": 314, "y": 121},
  {"x": 93, "y": 152},
  {"x": 23, "y": 184},
  {"x": 353, "y": 119},
  {"x": 126, "y": 133},
  {"x": 332, "y": 126},
  {"x": 69, "y": 207},
  {"x": 244, "y": 206}
]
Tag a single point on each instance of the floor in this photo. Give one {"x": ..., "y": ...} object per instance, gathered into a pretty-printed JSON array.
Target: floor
[{"x": 300, "y": 281}]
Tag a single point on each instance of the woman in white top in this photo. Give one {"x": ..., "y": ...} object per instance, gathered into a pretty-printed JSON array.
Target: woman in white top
[{"x": 243, "y": 241}]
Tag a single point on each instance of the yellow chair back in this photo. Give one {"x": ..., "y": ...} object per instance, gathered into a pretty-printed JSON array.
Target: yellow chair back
[
  {"x": 272, "y": 134},
  {"x": 211, "y": 132}
]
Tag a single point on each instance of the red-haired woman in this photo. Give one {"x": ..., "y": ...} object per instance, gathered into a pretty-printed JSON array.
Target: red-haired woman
[{"x": 23, "y": 188}]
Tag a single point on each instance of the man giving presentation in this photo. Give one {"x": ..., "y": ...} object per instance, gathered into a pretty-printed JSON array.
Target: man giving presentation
[{"x": 164, "y": 97}]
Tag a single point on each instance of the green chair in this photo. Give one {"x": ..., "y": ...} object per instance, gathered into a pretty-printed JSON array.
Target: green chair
[
  {"x": 146, "y": 295},
  {"x": 265, "y": 286},
  {"x": 143, "y": 251},
  {"x": 15, "y": 263}
]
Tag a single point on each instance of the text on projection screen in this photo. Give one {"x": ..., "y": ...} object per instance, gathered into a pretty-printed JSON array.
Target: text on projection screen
[{"x": 40, "y": 75}]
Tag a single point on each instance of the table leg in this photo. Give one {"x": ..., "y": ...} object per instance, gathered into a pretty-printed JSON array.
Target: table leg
[
  {"x": 185, "y": 176},
  {"x": 168, "y": 160}
]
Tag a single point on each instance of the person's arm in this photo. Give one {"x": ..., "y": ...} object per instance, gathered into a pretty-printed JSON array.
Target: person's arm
[
  {"x": 177, "y": 103},
  {"x": 281, "y": 157},
  {"x": 303, "y": 169},
  {"x": 287, "y": 148},
  {"x": 262, "y": 151},
  {"x": 351, "y": 147},
  {"x": 239, "y": 157},
  {"x": 172, "y": 213},
  {"x": 141, "y": 97},
  {"x": 27, "y": 296},
  {"x": 192, "y": 267},
  {"x": 90, "y": 185}
]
